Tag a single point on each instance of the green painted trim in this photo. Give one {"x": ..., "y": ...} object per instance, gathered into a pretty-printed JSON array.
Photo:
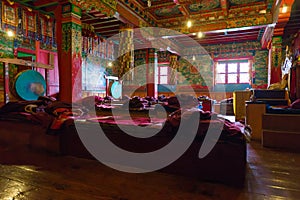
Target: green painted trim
[
  {"x": 277, "y": 40},
  {"x": 67, "y": 31},
  {"x": 71, "y": 8},
  {"x": 23, "y": 54},
  {"x": 76, "y": 10},
  {"x": 234, "y": 61}
]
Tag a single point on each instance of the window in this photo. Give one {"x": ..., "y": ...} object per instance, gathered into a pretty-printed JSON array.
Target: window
[
  {"x": 163, "y": 71},
  {"x": 232, "y": 72}
]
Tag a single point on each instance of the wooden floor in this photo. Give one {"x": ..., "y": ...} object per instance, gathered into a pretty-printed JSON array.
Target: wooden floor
[{"x": 34, "y": 175}]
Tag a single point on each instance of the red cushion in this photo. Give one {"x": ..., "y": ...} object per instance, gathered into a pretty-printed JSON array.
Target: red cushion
[{"x": 296, "y": 104}]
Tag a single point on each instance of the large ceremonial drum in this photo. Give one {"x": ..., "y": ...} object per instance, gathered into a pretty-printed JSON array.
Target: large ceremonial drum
[
  {"x": 116, "y": 90},
  {"x": 29, "y": 85}
]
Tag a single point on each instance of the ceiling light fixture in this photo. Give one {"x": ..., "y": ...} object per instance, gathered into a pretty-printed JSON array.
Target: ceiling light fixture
[
  {"x": 284, "y": 8},
  {"x": 149, "y": 3},
  {"x": 10, "y": 33},
  {"x": 200, "y": 34},
  {"x": 189, "y": 24}
]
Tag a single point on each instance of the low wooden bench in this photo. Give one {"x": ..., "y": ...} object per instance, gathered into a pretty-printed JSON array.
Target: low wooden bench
[{"x": 281, "y": 131}]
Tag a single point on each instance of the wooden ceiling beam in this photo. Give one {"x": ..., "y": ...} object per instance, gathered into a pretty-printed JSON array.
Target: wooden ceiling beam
[
  {"x": 108, "y": 24},
  {"x": 106, "y": 28},
  {"x": 107, "y": 21},
  {"x": 44, "y": 3}
]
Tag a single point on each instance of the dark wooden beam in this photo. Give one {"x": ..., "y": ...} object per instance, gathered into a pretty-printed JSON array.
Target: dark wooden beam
[
  {"x": 104, "y": 24},
  {"x": 44, "y": 3}
]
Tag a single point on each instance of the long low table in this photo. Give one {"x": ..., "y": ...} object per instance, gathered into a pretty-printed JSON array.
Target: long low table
[{"x": 226, "y": 163}]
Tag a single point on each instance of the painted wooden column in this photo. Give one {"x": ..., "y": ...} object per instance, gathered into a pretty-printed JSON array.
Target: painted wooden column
[
  {"x": 151, "y": 62},
  {"x": 69, "y": 44},
  {"x": 174, "y": 67},
  {"x": 276, "y": 59},
  {"x": 126, "y": 54},
  {"x": 6, "y": 82}
]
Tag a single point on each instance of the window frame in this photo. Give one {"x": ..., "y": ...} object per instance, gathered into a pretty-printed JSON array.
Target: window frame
[
  {"x": 238, "y": 71},
  {"x": 159, "y": 75}
]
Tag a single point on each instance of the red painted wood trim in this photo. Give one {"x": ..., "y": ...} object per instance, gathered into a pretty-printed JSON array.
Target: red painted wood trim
[
  {"x": 26, "y": 50},
  {"x": 6, "y": 82}
]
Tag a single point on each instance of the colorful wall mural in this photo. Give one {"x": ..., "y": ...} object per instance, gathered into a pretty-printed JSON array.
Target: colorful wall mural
[
  {"x": 205, "y": 64},
  {"x": 196, "y": 71},
  {"x": 97, "y": 61},
  {"x": 28, "y": 25},
  {"x": 260, "y": 69},
  {"x": 93, "y": 71}
]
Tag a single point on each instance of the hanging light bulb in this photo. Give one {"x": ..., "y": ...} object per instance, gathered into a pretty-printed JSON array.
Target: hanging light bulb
[
  {"x": 193, "y": 58},
  {"x": 149, "y": 3}
]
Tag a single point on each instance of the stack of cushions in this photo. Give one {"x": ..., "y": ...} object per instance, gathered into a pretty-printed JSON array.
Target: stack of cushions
[
  {"x": 294, "y": 108},
  {"x": 270, "y": 97},
  {"x": 174, "y": 103},
  {"x": 135, "y": 103}
]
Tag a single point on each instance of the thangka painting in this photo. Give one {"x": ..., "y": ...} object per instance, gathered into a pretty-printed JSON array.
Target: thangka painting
[
  {"x": 93, "y": 71},
  {"x": 43, "y": 26},
  {"x": 46, "y": 26},
  {"x": 9, "y": 14},
  {"x": 49, "y": 25},
  {"x": 29, "y": 21}
]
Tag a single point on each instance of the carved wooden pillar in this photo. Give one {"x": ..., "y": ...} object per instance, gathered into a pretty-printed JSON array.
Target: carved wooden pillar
[
  {"x": 276, "y": 59},
  {"x": 126, "y": 54},
  {"x": 69, "y": 51},
  {"x": 151, "y": 62},
  {"x": 173, "y": 66}
]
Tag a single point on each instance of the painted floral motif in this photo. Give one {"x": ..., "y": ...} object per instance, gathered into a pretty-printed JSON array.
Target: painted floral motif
[
  {"x": 71, "y": 30},
  {"x": 167, "y": 11},
  {"x": 66, "y": 38},
  {"x": 204, "y": 5}
]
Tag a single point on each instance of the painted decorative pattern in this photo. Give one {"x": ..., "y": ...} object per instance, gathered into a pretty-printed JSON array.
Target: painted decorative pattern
[
  {"x": 198, "y": 72},
  {"x": 76, "y": 39},
  {"x": 204, "y": 65},
  {"x": 126, "y": 53},
  {"x": 67, "y": 36},
  {"x": 239, "y": 2},
  {"x": 241, "y": 22},
  {"x": 107, "y": 7},
  {"x": 174, "y": 68},
  {"x": 93, "y": 70},
  {"x": 204, "y": 5},
  {"x": 260, "y": 72},
  {"x": 6, "y": 46},
  {"x": 167, "y": 11},
  {"x": 223, "y": 48},
  {"x": 71, "y": 33}
]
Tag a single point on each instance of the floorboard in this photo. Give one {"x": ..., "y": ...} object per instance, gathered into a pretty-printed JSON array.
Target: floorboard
[{"x": 26, "y": 173}]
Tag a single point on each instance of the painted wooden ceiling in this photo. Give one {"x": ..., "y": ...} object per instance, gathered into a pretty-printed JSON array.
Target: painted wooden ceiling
[{"x": 222, "y": 21}]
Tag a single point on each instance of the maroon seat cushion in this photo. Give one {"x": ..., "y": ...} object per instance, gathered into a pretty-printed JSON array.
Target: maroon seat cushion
[{"x": 296, "y": 104}]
